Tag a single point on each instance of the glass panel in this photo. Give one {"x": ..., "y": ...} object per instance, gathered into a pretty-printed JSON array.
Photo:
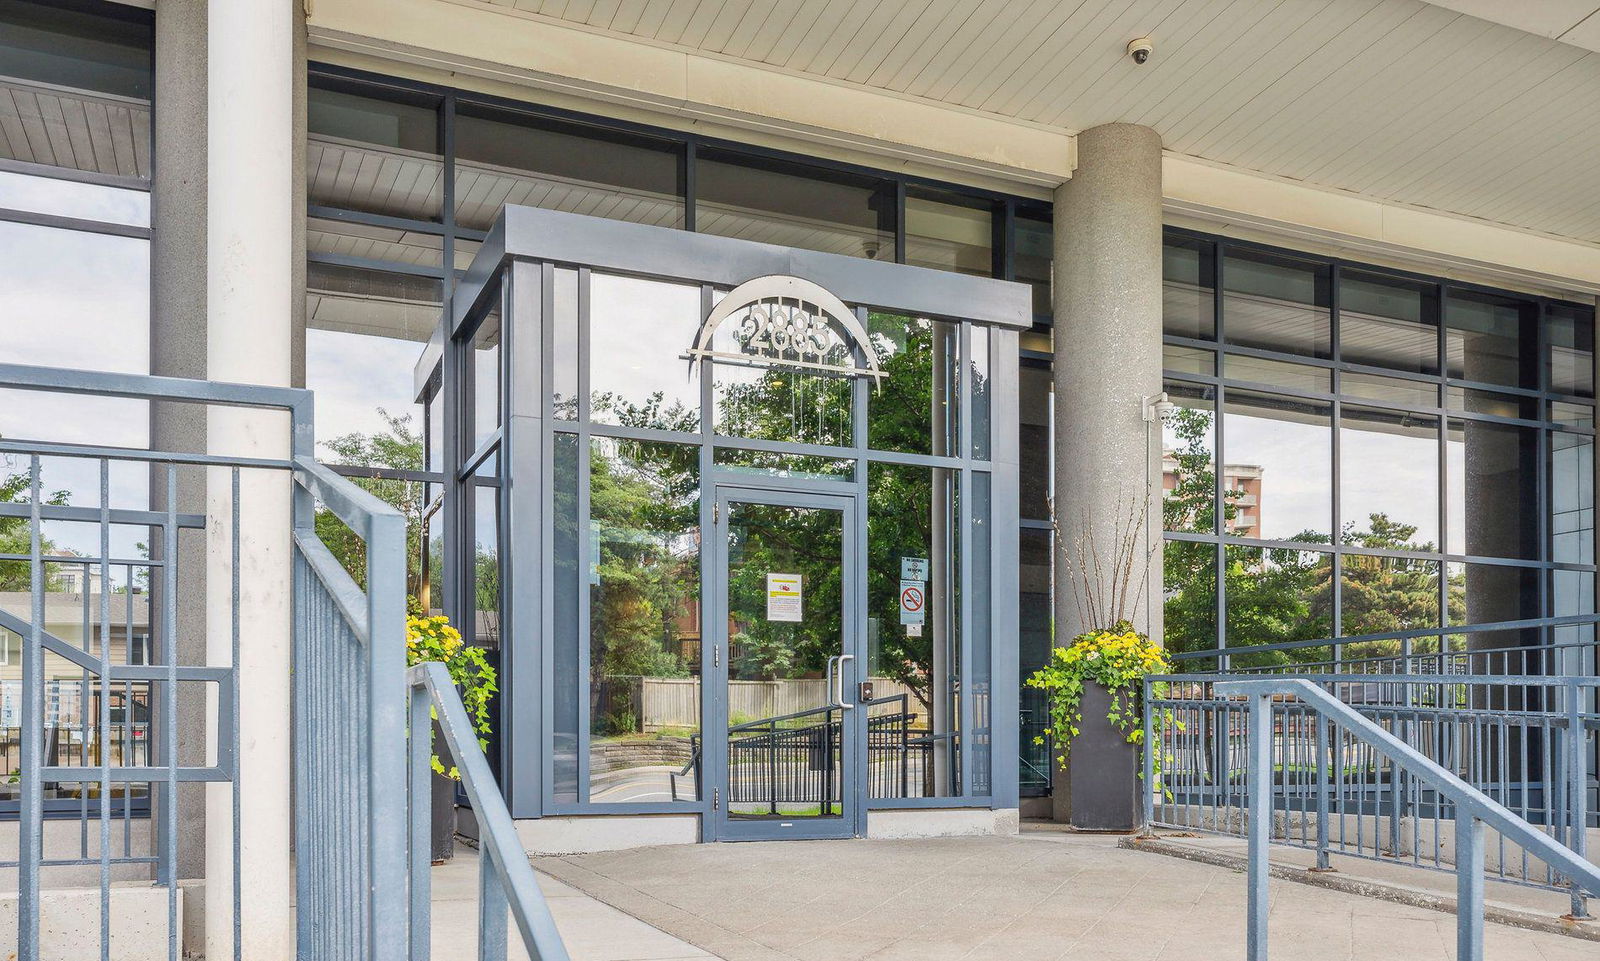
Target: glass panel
[
  {"x": 1190, "y": 591},
  {"x": 1571, "y": 415},
  {"x": 1276, "y": 373},
  {"x": 1488, "y": 594},
  {"x": 506, "y": 157},
  {"x": 948, "y": 232},
  {"x": 435, "y": 431},
  {"x": 1573, "y": 592},
  {"x": 772, "y": 464},
  {"x": 794, "y": 205},
  {"x": 978, "y": 371},
  {"x": 373, "y": 149},
  {"x": 570, "y": 689},
  {"x": 564, "y": 345},
  {"x": 1189, "y": 360},
  {"x": 1492, "y": 403},
  {"x": 1188, "y": 293},
  {"x": 1569, "y": 332},
  {"x": 1389, "y": 480},
  {"x": 786, "y": 622},
  {"x": 1384, "y": 594},
  {"x": 1033, "y": 652},
  {"x": 67, "y": 198},
  {"x": 79, "y": 85},
  {"x": 644, "y": 620},
  {"x": 775, "y": 401},
  {"x": 1392, "y": 390},
  {"x": 1571, "y": 498},
  {"x": 980, "y": 668},
  {"x": 1277, "y": 596},
  {"x": 1032, "y": 256},
  {"x": 638, "y": 331},
  {"x": 1493, "y": 490},
  {"x": 1036, "y": 473},
  {"x": 1278, "y": 467},
  {"x": 388, "y": 244},
  {"x": 1277, "y": 303},
  {"x": 915, "y": 721},
  {"x": 1491, "y": 338},
  {"x": 486, "y": 375},
  {"x": 914, "y": 411},
  {"x": 1388, "y": 322},
  {"x": 1189, "y": 460},
  {"x": 365, "y": 330}
]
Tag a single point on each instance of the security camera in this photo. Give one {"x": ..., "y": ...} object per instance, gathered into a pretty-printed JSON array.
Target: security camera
[{"x": 1141, "y": 49}]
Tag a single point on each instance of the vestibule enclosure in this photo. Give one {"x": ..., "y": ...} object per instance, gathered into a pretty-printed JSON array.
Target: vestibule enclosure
[{"x": 740, "y": 521}]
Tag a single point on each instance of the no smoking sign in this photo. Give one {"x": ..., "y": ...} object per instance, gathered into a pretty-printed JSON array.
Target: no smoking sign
[{"x": 913, "y": 600}]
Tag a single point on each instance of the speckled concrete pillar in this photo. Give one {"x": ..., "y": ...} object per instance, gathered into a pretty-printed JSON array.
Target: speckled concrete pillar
[{"x": 1107, "y": 306}]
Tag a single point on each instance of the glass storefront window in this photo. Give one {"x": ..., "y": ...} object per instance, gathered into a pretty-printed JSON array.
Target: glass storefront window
[
  {"x": 1491, "y": 338},
  {"x": 779, "y": 202},
  {"x": 1491, "y": 593},
  {"x": 487, "y": 374},
  {"x": 1278, "y": 467},
  {"x": 638, "y": 331},
  {"x": 564, "y": 359},
  {"x": 1036, "y": 437},
  {"x": 374, "y": 149},
  {"x": 1569, "y": 334},
  {"x": 1188, "y": 294},
  {"x": 915, "y": 410},
  {"x": 977, "y": 368},
  {"x": 644, "y": 659},
  {"x": 1388, "y": 322},
  {"x": 1190, "y": 591},
  {"x": 1189, "y": 460},
  {"x": 1572, "y": 496},
  {"x": 1188, "y": 360},
  {"x": 81, "y": 81},
  {"x": 1274, "y": 596},
  {"x": 1277, "y": 303},
  {"x": 508, "y": 157},
  {"x": 1389, "y": 480},
  {"x": 783, "y": 403},
  {"x": 1277, "y": 373},
  {"x": 1032, "y": 256},
  {"x": 1492, "y": 489},
  {"x": 949, "y": 232}
]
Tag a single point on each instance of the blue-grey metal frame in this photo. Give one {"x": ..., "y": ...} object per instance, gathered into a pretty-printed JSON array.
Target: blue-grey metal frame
[
  {"x": 515, "y": 269},
  {"x": 1219, "y": 383}
]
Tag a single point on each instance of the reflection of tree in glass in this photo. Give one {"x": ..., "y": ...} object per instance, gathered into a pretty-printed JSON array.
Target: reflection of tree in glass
[
  {"x": 763, "y": 539},
  {"x": 397, "y": 447},
  {"x": 1276, "y": 595},
  {"x": 16, "y": 536}
]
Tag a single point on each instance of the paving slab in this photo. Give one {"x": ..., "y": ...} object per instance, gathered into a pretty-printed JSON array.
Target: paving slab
[
  {"x": 1037, "y": 896},
  {"x": 591, "y": 929}
]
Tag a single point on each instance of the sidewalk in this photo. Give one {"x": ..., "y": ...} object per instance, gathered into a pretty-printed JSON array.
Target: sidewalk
[{"x": 593, "y": 931}]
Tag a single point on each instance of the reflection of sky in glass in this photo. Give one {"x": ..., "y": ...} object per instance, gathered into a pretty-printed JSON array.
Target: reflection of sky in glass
[
  {"x": 1391, "y": 474},
  {"x": 639, "y": 330},
  {"x": 1296, "y": 462},
  {"x": 354, "y": 375},
  {"x": 76, "y": 300},
  {"x": 67, "y": 198}
]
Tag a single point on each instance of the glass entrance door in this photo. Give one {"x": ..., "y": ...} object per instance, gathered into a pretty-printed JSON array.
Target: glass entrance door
[{"x": 787, "y": 721}]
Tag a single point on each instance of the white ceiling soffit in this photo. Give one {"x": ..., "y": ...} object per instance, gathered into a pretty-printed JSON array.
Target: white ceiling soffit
[
  {"x": 1571, "y": 21},
  {"x": 1398, "y": 101}
]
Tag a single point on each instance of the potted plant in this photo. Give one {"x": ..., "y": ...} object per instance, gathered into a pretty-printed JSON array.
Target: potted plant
[
  {"x": 1095, "y": 684},
  {"x": 433, "y": 639}
]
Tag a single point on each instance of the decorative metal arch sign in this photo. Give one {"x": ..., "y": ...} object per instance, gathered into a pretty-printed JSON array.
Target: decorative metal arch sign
[{"x": 786, "y": 321}]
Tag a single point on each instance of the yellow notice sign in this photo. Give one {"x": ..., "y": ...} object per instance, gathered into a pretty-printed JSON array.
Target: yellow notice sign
[{"x": 783, "y": 597}]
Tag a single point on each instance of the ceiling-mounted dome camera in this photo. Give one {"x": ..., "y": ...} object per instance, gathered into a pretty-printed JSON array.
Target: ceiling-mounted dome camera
[{"x": 1141, "y": 49}]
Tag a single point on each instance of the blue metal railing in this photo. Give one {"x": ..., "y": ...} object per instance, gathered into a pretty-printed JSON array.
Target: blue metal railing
[
  {"x": 1531, "y": 743},
  {"x": 505, "y": 877},
  {"x": 1470, "y": 808}
]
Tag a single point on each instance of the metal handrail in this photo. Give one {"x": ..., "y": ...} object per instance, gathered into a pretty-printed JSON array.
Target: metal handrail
[
  {"x": 1473, "y": 808},
  {"x": 505, "y": 876}
]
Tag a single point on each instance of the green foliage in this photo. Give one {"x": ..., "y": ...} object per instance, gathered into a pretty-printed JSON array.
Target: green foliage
[
  {"x": 16, "y": 538},
  {"x": 397, "y": 447},
  {"x": 433, "y": 639}
]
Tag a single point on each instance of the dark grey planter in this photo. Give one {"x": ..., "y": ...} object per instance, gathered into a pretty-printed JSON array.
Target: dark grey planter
[
  {"x": 1103, "y": 770},
  {"x": 443, "y": 845}
]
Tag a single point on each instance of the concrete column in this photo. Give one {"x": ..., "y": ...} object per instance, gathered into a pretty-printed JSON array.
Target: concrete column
[
  {"x": 1106, "y": 298},
  {"x": 250, "y": 293},
  {"x": 178, "y": 349}
]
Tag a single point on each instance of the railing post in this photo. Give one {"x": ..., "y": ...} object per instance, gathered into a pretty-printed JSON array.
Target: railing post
[
  {"x": 1260, "y": 787},
  {"x": 421, "y": 792},
  {"x": 1324, "y": 745},
  {"x": 1577, "y": 790},
  {"x": 492, "y": 908},
  {"x": 1150, "y": 747},
  {"x": 1469, "y": 885}
]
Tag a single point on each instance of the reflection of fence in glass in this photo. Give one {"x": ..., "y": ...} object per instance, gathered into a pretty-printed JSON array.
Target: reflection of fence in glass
[{"x": 71, "y": 737}]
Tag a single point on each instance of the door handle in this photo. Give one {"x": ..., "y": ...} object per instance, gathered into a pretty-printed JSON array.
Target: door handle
[
  {"x": 838, "y": 697},
  {"x": 828, "y": 684}
]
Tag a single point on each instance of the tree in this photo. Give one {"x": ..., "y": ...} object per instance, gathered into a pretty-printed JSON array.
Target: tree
[
  {"x": 16, "y": 536},
  {"x": 398, "y": 447}
]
